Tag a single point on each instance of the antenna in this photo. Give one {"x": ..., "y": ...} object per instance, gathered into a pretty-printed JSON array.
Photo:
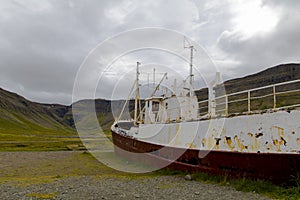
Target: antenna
[
  {"x": 148, "y": 79},
  {"x": 153, "y": 77}
]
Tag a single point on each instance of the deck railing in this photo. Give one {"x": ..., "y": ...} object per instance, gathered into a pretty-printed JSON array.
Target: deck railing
[
  {"x": 285, "y": 95},
  {"x": 279, "y": 96}
]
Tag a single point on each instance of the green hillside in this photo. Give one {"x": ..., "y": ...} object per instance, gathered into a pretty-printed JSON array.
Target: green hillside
[{"x": 25, "y": 124}]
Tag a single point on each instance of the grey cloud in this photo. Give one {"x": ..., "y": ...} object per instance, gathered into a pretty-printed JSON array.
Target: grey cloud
[
  {"x": 43, "y": 43},
  {"x": 281, "y": 45},
  {"x": 43, "y": 49}
]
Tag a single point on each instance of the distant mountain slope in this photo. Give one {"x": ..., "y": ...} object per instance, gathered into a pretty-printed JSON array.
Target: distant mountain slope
[
  {"x": 18, "y": 114},
  {"x": 105, "y": 109}
]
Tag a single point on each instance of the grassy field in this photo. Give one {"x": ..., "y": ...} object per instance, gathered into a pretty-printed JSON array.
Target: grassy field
[
  {"x": 33, "y": 138},
  {"x": 47, "y": 140},
  {"x": 29, "y": 132},
  {"x": 39, "y": 167},
  {"x": 34, "y": 168}
]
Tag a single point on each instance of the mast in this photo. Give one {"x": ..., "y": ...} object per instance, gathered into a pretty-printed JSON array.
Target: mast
[
  {"x": 157, "y": 87},
  {"x": 137, "y": 94},
  {"x": 191, "y": 69},
  {"x": 191, "y": 47}
]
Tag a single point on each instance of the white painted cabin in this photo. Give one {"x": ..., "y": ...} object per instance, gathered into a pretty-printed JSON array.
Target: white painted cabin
[{"x": 175, "y": 108}]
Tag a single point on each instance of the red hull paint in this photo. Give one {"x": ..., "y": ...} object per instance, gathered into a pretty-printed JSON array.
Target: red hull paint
[{"x": 275, "y": 167}]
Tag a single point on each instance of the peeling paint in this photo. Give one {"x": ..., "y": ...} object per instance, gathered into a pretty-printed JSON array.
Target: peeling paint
[
  {"x": 192, "y": 145},
  {"x": 293, "y": 132},
  {"x": 239, "y": 143},
  {"x": 277, "y": 145},
  {"x": 282, "y": 141},
  {"x": 217, "y": 146},
  {"x": 229, "y": 142},
  {"x": 280, "y": 131},
  {"x": 257, "y": 135},
  {"x": 204, "y": 142}
]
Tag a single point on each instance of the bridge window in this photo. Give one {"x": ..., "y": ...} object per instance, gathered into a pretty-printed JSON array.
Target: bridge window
[{"x": 155, "y": 106}]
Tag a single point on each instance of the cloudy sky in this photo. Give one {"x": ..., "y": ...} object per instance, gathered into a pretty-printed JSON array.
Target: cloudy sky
[{"x": 43, "y": 43}]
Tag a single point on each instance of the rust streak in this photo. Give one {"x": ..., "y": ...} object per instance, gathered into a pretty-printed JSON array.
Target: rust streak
[
  {"x": 280, "y": 131},
  {"x": 229, "y": 142},
  {"x": 239, "y": 143},
  {"x": 217, "y": 146},
  {"x": 203, "y": 142},
  {"x": 277, "y": 145}
]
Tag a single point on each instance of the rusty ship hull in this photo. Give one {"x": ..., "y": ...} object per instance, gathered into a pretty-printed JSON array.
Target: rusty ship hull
[{"x": 279, "y": 168}]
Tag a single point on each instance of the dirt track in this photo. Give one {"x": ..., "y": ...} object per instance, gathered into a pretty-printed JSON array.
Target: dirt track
[{"x": 75, "y": 175}]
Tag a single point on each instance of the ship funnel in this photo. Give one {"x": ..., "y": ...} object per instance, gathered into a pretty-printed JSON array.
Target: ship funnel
[
  {"x": 218, "y": 77},
  {"x": 217, "y": 80},
  {"x": 212, "y": 95}
]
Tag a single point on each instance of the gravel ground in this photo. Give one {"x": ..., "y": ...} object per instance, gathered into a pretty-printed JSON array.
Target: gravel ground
[
  {"x": 19, "y": 171},
  {"x": 88, "y": 187}
]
